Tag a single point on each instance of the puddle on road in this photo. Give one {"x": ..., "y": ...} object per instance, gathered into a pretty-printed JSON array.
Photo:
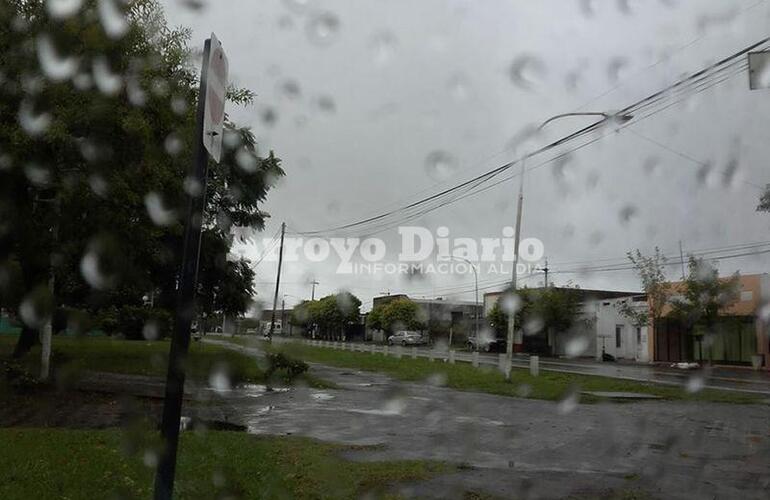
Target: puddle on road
[{"x": 322, "y": 396}]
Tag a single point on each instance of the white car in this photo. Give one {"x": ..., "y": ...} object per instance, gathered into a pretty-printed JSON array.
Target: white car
[{"x": 406, "y": 337}]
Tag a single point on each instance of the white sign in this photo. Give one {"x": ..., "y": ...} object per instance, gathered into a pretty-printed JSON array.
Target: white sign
[{"x": 216, "y": 88}]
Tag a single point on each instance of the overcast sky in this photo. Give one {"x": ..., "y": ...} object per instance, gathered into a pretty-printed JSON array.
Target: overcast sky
[{"x": 354, "y": 96}]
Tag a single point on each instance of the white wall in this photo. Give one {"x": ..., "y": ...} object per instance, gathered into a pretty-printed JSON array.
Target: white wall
[{"x": 633, "y": 344}]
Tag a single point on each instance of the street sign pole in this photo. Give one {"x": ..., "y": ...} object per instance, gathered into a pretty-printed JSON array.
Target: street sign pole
[{"x": 188, "y": 277}]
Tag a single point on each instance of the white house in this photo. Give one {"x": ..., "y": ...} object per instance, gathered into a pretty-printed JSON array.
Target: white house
[{"x": 616, "y": 334}]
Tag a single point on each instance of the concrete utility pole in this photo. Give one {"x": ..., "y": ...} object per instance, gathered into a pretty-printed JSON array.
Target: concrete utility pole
[
  {"x": 515, "y": 337},
  {"x": 277, "y": 284},
  {"x": 681, "y": 257},
  {"x": 312, "y": 293}
]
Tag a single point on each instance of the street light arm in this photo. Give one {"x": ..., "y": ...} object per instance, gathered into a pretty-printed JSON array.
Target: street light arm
[{"x": 605, "y": 116}]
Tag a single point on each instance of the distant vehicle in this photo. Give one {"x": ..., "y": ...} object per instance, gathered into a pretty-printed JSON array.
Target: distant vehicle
[
  {"x": 406, "y": 337},
  {"x": 487, "y": 344}
]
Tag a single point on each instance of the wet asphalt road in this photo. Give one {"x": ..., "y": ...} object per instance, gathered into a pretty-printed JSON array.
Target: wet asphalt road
[{"x": 518, "y": 448}]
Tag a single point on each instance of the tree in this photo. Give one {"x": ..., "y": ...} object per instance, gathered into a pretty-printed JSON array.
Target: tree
[
  {"x": 329, "y": 314},
  {"x": 652, "y": 275},
  {"x": 401, "y": 314},
  {"x": 497, "y": 319},
  {"x": 703, "y": 297},
  {"x": 764, "y": 200},
  {"x": 93, "y": 166}
]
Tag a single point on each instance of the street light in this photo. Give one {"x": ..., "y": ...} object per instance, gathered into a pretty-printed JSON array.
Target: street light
[
  {"x": 476, "y": 279},
  {"x": 512, "y": 334}
]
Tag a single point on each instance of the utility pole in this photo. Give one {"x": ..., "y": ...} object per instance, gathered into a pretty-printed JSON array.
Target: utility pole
[
  {"x": 277, "y": 284},
  {"x": 517, "y": 237},
  {"x": 545, "y": 270},
  {"x": 681, "y": 257},
  {"x": 283, "y": 313},
  {"x": 312, "y": 293}
]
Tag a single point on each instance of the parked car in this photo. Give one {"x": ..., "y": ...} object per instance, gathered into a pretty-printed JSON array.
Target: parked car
[
  {"x": 487, "y": 344},
  {"x": 405, "y": 337}
]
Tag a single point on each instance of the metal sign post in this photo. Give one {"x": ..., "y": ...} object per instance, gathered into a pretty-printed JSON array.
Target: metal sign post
[{"x": 210, "y": 121}]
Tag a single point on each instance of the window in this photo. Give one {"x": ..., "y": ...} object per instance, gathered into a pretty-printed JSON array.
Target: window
[
  {"x": 618, "y": 335},
  {"x": 747, "y": 296},
  {"x": 638, "y": 335}
]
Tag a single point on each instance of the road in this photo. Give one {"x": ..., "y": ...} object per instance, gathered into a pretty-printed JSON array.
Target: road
[{"x": 518, "y": 448}]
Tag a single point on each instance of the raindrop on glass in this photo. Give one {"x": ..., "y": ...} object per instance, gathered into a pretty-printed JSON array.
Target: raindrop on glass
[
  {"x": 173, "y": 144},
  {"x": 527, "y": 71},
  {"x": 62, "y": 9},
  {"x": 440, "y": 165},
  {"x": 322, "y": 28},
  {"x": 107, "y": 82},
  {"x": 54, "y": 66},
  {"x": 246, "y": 160},
  {"x": 156, "y": 209},
  {"x": 112, "y": 18},
  {"x": 31, "y": 122}
]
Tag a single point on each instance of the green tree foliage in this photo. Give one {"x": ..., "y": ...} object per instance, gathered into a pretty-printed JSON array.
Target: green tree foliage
[
  {"x": 704, "y": 296},
  {"x": 93, "y": 166},
  {"x": 328, "y": 315},
  {"x": 497, "y": 320},
  {"x": 398, "y": 314}
]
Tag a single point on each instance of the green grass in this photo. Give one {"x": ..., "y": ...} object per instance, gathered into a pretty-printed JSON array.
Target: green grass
[
  {"x": 548, "y": 385},
  {"x": 73, "y": 464},
  {"x": 104, "y": 354}
]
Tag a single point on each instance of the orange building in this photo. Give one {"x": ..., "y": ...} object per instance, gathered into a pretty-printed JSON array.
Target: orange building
[{"x": 741, "y": 333}]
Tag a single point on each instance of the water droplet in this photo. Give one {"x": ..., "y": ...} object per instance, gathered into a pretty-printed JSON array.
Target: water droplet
[
  {"x": 533, "y": 326},
  {"x": 290, "y": 89},
  {"x": 36, "y": 307},
  {"x": 98, "y": 185},
  {"x": 92, "y": 267},
  {"x": 107, "y": 82},
  {"x": 569, "y": 402},
  {"x": 219, "y": 379},
  {"x": 576, "y": 346},
  {"x": 38, "y": 175},
  {"x": 651, "y": 165},
  {"x": 150, "y": 459},
  {"x": 695, "y": 384},
  {"x": 151, "y": 330},
  {"x": 326, "y": 104},
  {"x": 527, "y": 71},
  {"x": 437, "y": 379},
  {"x": 178, "y": 105},
  {"x": 33, "y": 124},
  {"x": 524, "y": 390},
  {"x": 173, "y": 144},
  {"x": 192, "y": 187},
  {"x": 383, "y": 47},
  {"x": 627, "y": 213},
  {"x": 112, "y": 18},
  {"x": 440, "y": 165},
  {"x": 62, "y": 9},
  {"x": 323, "y": 28},
  {"x": 394, "y": 406},
  {"x": 616, "y": 68},
  {"x": 510, "y": 303},
  {"x": 247, "y": 160},
  {"x": 156, "y": 209},
  {"x": 588, "y": 7},
  {"x": 269, "y": 116},
  {"x": 459, "y": 87},
  {"x": 285, "y": 22},
  {"x": 54, "y": 67},
  {"x": 297, "y": 6}
]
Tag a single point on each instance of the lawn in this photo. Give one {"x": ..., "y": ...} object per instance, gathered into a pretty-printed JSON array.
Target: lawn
[
  {"x": 104, "y": 354},
  {"x": 76, "y": 464},
  {"x": 463, "y": 376}
]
